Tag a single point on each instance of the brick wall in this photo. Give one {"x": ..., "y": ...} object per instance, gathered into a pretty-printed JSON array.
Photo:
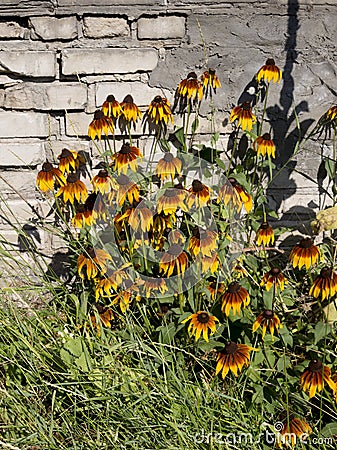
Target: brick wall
[{"x": 60, "y": 58}]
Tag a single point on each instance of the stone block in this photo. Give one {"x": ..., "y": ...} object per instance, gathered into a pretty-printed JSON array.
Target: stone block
[
  {"x": 11, "y": 30},
  {"x": 142, "y": 93},
  {"x": 105, "y": 27},
  {"x": 77, "y": 124},
  {"x": 23, "y": 124},
  {"x": 52, "y": 28},
  {"x": 28, "y": 63},
  {"x": 21, "y": 154},
  {"x": 14, "y": 182},
  {"x": 108, "y": 60},
  {"x": 162, "y": 27},
  {"x": 56, "y": 96},
  {"x": 19, "y": 211}
]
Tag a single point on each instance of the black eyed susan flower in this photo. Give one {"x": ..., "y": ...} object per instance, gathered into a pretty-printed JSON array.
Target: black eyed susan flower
[
  {"x": 105, "y": 316},
  {"x": 100, "y": 124},
  {"x": 305, "y": 253},
  {"x": 265, "y": 234},
  {"x": 215, "y": 289},
  {"x": 130, "y": 291},
  {"x": 233, "y": 357},
  {"x": 331, "y": 114},
  {"x": 159, "y": 111},
  {"x": 325, "y": 285},
  {"x": 127, "y": 158},
  {"x": 204, "y": 241},
  {"x": 47, "y": 177},
  {"x": 269, "y": 72},
  {"x": 73, "y": 189},
  {"x": 264, "y": 145},
  {"x": 274, "y": 277},
  {"x": 210, "y": 263},
  {"x": 198, "y": 195},
  {"x": 108, "y": 285},
  {"x": 131, "y": 112},
  {"x": 297, "y": 428},
  {"x": 175, "y": 237},
  {"x": 190, "y": 87},
  {"x": 328, "y": 119},
  {"x": 315, "y": 376},
  {"x": 171, "y": 200},
  {"x": 233, "y": 192},
  {"x": 174, "y": 259},
  {"x": 163, "y": 221},
  {"x": 238, "y": 270},
  {"x": 102, "y": 182},
  {"x": 244, "y": 115},
  {"x": 95, "y": 261},
  {"x": 69, "y": 160},
  {"x": 201, "y": 322},
  {"x": 210, "y": 81},
  {"x": 169, "y": 166},
  {"x": 111, "y": 107},
  {"x": 141, "y": 218},
  {"x": 267, "y": 319},
  {"x": 126, "y": 189},
  {"x": 234, "y": 298},
  {"x": 83, "y": 217},
  {"x": 139, "y": 239},
  {"x": 154, "y": 286}
]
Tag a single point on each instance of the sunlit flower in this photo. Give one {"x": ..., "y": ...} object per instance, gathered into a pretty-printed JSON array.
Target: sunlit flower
[
  {"x": 233, "y": 357},
  {"x": 171, "y": 200},
  {"x": 190, "y": 87},
  {"x": 168, "y": 166},
  {"x": 216, "y": 288},
  {"x": 95, "y": 261},
  {"x": 274, "y": 277},
  {"x": 108, "y": 285},
  {"x": 154, "y": 287},
  {"x": 105, "y": 316},
  {"x": 141, "y": 218},
  {"x": 328, "y": 119},
  {"x": 244, "y": 115},
  {"x": 305, "y": 253},
  {"x": 198, "y": 195},
  {"x": 126, "y": 189},
  {"x": 159, "y": 111},
  {"x": 102, "y": 182},
  {"x": 264, "y": 145},
  {"x": 73, "y": 189},
  {"x": 163, "y": 221},
  {"x": 204, "y": 241},
  {"x": 131, "y": 112},
  {"x": 174, "y": 259},
  {"x": 201, "y": 322},
  {"x": 238, "y": 270},
  {"x": 70, "y": 160},
  {"x": 234, "y": 298},
  {"x": 325, "y": 284},
  {"x": 297, "y": 428},
  {"x": 47, "y": 177},
  {"x": 265, "y": 234},
  {"x": 267, "y": 319},
  {"x": 269, "y": 72},
  {"x": 233, "y": 192},
  {"x": 82, "y": 217},
  {"x": 123, "y": 298},
  {"x": 210, "y": 263},
  {"x": 111, "y": 107},
  {"x": 100, "y": 124},
  {"x": 176, "y": 237},
  {"x": 127, "y": 158},
  {"x": 314, "y": 377},
  {"x": 210, "y": 81}
]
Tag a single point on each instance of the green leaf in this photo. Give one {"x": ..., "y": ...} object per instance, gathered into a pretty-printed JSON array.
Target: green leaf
[
  {"x": 330, "y": 167},
  {"x": 321, "y": 330},
  {"x": 286, "y": 336},
  {"x": 329, "y": 430},
  {"x": 179, "y": 135},
  {"x": 221, "y": 163},
  {"x": 195, "y": 125},
  {"x": 74, "y": 346}
]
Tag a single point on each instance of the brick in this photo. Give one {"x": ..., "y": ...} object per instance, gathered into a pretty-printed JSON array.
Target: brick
[
  {"x": 21, "y": 181},
  {"x": 23, "y": 154},
  {"x": 77, "y": 124},
  {"x": 56, "y": 96},
  {"x": 110, "y": 60},
  {"x": 105, "y": 27},
  {"x": 23, "y": 124},
  {"x": 52, "y": 28},
  {"x": 142, "y": 93},
  {"x": 28, "y": 63},
  {"x": 67, "y": 3},
  {"x": 11, "y": 30},
  {"x": 169, "y": 27},
  {"x": 19, "y": 211}
]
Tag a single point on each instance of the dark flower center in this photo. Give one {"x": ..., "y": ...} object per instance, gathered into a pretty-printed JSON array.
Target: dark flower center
[
  {"x": 230, "y": 348},
  {"x": 103, "y": 173},
  {"x": 246, "y": 106},
  {"x": 91, "y": 252},
  {"x": 128, "y": 99},
  {"x": 72, "y": 178},
  {"x": 233, "y": 287},
  {"x": 98, "y": 115},
  {"x": 203, "y": 317},
  {"x": 168, "y": 157},
  {"x": 175, "y": 250},
  {"x": 47, "y": 167},
  {"x": 125, "y": 149},
  {"x": 157, "y": 99},
  {"x": 170, "y": 193},
  {"x": 266, "y": 137},
  {"x": 315, "y": 366},
  {"x": 232, "y": 181},
  {"x": 268, "y": 314},
  {"x": 197, "y": 186},
  {"x": 211, "y": 71},
  {"x": 264, "y": 225},
  {"x": 192, "y": 75},
  {"x": 275, "y": 271},
  {"x": 270, "y": 62},
  {"x": 306, "y": 243},
  {"x": 326, "y": 272},
  {"x": 213, "y": 285},
  {"x": 110, "y": 98},
  {"x": 80, "y": 208},
  {"x": 123, "y": 180},
  {"x": 196, "y": 232},
  {"x": 65, "y": 154}
]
